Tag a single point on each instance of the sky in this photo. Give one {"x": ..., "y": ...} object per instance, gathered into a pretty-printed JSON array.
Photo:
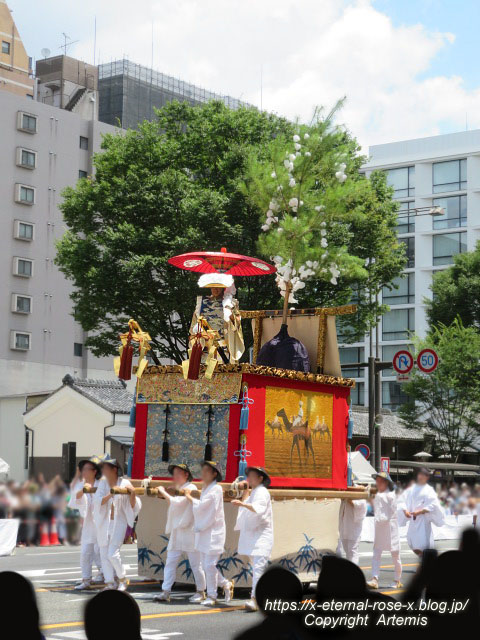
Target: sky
[{"x": 408, "y": 68}]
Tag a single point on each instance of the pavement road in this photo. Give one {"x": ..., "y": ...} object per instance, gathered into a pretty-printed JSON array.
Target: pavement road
[{"x": 55, "y": 570}]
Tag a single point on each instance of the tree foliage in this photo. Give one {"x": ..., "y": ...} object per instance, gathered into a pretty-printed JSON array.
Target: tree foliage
[
  {"x": 447, "y": 400},
  {"x": 176, "y": 185},
  {"x": 330, "y": 230},
  {"x": 456, "y": 292}
]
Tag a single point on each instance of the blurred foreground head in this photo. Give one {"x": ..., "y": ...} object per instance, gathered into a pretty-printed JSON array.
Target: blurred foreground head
[
  {"x": 18, "y": 597},
  {"x": 112, "y": 614}
]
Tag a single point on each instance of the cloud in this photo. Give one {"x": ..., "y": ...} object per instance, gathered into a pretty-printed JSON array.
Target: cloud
[{"x": 307, "y": 53}]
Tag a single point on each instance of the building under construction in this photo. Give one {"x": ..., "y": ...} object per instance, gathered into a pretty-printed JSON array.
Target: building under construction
[{"x": 129, "y": 92}]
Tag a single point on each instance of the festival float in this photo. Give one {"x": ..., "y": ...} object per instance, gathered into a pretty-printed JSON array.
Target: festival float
[{"x": 286, "y": 410}]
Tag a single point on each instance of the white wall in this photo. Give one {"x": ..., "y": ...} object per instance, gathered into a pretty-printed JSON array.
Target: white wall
[{"x": 12, "y": 435}]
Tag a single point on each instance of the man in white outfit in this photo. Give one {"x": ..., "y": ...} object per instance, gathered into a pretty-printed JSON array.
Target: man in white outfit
[
  {"x": 420, "y": 506},
  {"x": 386, "y": 530},
  {"x": 255, "y": 523},
  {"x": 112, "y": 515},
  {"x": 87, "y": 476},
  {"x": 350, "y": 521},
  {"x": 209, "y": 527},
  {"x": 182, "y": 537}
]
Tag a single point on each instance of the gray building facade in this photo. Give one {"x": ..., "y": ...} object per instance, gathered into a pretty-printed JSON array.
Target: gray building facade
[{"x": 44, "y": 150}]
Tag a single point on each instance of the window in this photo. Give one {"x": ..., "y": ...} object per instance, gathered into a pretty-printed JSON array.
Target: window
[
  {"x": 406, "y": 218},
  {"x": 387, "y": 356},
  {"x": 403, "y": 181},
  {"x": 78, "y": 349},
  {"x": 26, "y": 158},
  {"x": 352, "y": 355},
  {"x": 409, "y": 251},
  {"x": 21, "y": 303},
  {"x": 6, "y": 47},
  {"x": 83, "y": 142},
  {"x": 447, "y": 245},
  {"x": 20, "y": 341},
  {"x": 24, "y": 194},
  {"x": 403, "y": 294},
  {"x": 82, "y": 174},
  {"x": 27, "y": 122},
  {"x": 398, "y": 324},
  {"x": 23, "y": 230},
  {"x": 455, "y": 212},
  {"x": 393, "y": 395},
  {"x": 357, "y": 394},
  {"x": 449, "y": 176},
  {"x": 23, "y": 267}
]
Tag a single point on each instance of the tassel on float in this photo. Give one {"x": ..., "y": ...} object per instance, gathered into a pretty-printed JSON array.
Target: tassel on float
[
  {"x": 195, "y": 360},
  {"x": 208, "y": 446},
  {"x": 126, "y": 357},
  {"x": 166, "y": 433}
]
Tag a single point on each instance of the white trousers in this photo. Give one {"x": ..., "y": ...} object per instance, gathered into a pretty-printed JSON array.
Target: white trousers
[
  {"x": 89, "y": 555},
  {"x": 110, "y": 555},
  {"x": 258, "y": 567},
  {"x": 350, "y": 549},
  {"x": 170, "y": 570},
  {"x": 397, "y": 563},
  {"x": 213, "y": 577}
]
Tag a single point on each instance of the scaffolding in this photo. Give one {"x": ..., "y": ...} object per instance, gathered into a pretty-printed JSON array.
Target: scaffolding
[{"x": 130, "y": 92}]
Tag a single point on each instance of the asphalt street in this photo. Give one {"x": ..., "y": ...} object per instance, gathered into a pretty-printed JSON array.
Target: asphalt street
[{"x": 55, "y": 570}]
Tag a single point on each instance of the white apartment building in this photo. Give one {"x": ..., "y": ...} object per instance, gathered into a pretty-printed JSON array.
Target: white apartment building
[
  {"x": 43, "y": 150},
  {"x": 439, "y": 171}
]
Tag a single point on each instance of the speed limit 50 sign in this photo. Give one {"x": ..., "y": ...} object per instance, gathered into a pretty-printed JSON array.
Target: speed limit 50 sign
[{"x": 427, "y": 360}]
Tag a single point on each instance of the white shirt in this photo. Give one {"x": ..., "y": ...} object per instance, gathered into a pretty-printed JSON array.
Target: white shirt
[
  {"x": 386, "y": 523},
  {"x": 420, "y": 534},
  {"x": 124, "y": 513},
  {"x": 180, "y": 522},
  {"x": 350, "y": 519},
  {"x": 84, "y": 505},
  {"x": 256, "y": 529},
  {"x": 209, "y": 520}
]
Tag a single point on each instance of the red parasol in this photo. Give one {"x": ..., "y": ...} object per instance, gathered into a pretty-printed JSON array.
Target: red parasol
[{"x": 222, "y": 262}]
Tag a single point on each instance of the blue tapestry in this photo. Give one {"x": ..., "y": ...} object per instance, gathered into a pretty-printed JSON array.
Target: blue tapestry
[{"x": 188, "y": 425}]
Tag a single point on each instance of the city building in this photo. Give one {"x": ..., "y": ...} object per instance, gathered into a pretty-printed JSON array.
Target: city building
[
  {"x": 16, "y": 75},
  {"x": 440, "y": 171},
  {"x": 67, "y": 83},
  {"x": 44, "y": 150},
  {"x": 129, "y": 93}
]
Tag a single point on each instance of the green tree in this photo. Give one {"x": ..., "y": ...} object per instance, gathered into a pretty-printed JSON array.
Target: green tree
[
  {"x": 330, "y": 230},
  {"x": 447, "y": 401},
  {"x": 176, "y": 185},
  {"x": 456, "y": 292}
]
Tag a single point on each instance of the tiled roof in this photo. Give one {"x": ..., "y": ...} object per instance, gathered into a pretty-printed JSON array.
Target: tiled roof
[
  {"x": 112, "y": 395},
  {"x": 392, "y": 428}
]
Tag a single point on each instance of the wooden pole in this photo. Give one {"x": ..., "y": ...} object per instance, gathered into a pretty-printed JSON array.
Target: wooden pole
[
  {"x": 355, "y": 493},
  {"x": 288, "y": 290}
]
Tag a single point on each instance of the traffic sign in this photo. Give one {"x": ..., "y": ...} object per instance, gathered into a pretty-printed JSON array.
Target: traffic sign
[
  {"x": 364, "y": 450},
  {"x": 427, "y": 360},
  {"x": 385, "y": 464},
  {"x": 402, "y": 362}
]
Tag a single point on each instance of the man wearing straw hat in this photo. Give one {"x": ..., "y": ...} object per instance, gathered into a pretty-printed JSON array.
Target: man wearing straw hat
[
  {"x": 112, "y": 515},
  {"x": 420, "y": 506},
  {"x": 255, "y": 523},
  {"x": 209, "y": 527},
  {"x": 386, "y": 529},
  {"x": 182, "y": 537},
  {"x": 88, "y": 475}
]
